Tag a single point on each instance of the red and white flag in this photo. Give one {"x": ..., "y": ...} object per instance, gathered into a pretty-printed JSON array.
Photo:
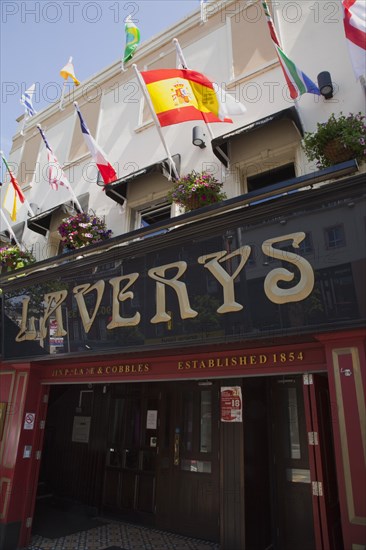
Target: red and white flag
[
  {"x": 105, "y": 168},
  {"x": 355, "y": 29}
]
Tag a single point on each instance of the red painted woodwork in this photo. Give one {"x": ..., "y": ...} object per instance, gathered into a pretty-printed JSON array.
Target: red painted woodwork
[
  {"x": 218, "y": 364},
  {"x": 347, "y": 382}
]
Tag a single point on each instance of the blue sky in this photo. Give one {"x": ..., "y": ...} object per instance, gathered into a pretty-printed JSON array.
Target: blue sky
[{"x": 37, "y": 37}]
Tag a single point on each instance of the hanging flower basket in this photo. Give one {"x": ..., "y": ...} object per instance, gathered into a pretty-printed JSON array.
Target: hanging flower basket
[
  {"x": 83, "y": 229},
  {"x": 337, "y": 140},
  {"x": 195, "y": 190},
  {"x": 12, "y": 257},
  {"x": 336, "y": 152}
]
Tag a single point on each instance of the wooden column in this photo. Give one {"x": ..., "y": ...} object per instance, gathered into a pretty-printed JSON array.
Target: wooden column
[{"x": 232, "y": 517}]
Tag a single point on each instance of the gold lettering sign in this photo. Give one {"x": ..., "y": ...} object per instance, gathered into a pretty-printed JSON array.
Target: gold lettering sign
[
  {"x": 268, "y": 359},
  {"x": 122, "y": 291},
  {"x": 109, "y": 370}
]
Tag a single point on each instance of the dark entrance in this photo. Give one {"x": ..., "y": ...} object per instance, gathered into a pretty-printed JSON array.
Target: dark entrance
[
  {"x": 290, "y": 496},
  {"x": 293, "y": 516},
  {"x": 149, "y": 453},
  {"x": 188, "y": 465}
]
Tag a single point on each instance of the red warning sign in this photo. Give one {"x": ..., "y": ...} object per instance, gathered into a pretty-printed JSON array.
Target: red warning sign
[{"x": 231, "y": 404}]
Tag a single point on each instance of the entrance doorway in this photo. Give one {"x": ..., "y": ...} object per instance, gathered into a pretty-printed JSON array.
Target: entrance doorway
[
  {"x": 162, "y": 458},
  {"x": 188, "y": 465},
  {"x": 150, "y": 453},
  {"x": 288, "y": 455},
  {"x": 293, "y": 510}
]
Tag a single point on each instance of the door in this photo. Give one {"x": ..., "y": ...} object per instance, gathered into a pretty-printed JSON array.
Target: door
[
  {"x": 327, "y": 521},
  {"x": 188, "y": 470},
  {"x": 292, "y": 505},
  {"x": 130, "y": 473}
]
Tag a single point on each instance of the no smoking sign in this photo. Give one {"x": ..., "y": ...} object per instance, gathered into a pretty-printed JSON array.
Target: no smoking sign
[{"x": 29, "y": 421}]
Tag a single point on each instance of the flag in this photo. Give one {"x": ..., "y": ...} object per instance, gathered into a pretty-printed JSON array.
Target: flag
[
  {"x": 132, "y": 39},
  {"x": 56, "y": 175},
  {"x": 298, "y": 82},
  {"x": 68, "y": 71},
  {"x": 355, "y": 30},
  {"x": 179, "y": 95},
  {"x": 105, "y": 168},
  {"x": 26, "y": 100},
  {"x": 13, "y": 194}
]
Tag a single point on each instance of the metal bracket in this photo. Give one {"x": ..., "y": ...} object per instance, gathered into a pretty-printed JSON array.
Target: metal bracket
[
  {"x": 317, "y": 488},
  {"x": 308, "y": 379},
  {"x": 313, "y": 438}
]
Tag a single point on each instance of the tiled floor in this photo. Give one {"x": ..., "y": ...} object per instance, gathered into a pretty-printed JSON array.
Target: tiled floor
[{"x": 120, "y": 536}]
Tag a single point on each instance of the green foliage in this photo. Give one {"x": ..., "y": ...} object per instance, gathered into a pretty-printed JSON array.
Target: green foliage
[
  {"x": 349, "y": 130},
  {"x": 12, "y": 257},
  {"x": 196, "y": 189}
]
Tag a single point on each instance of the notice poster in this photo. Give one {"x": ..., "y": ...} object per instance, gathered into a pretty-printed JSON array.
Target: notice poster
[
  {"x": 81, "y": 429},
  {"x": 231, "y": 404}
]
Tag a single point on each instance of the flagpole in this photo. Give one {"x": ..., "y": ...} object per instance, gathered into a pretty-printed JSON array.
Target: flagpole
[
  {"x": 203, "y": 12},
  {"x": 61, "y": 107},
  {"x": 155, "y": 118},
  {"x": 25, "y": 200},
  {"x": 24, "y": 123},
  {"x": 9, "y": 227},
  {"x": 185, "y": 66}
]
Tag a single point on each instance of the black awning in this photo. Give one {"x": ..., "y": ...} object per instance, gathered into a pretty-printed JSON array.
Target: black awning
[
  {"x": 117, "y": 191},
  {"x": 41, "y": 223},
  {"x": 220, "y": 144},
  {"x": 18, "y": 229}
]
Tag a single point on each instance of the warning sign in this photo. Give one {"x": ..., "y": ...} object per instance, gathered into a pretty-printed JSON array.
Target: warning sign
[
  {"x": 29, "y": 421},
  {"x": 231, "y": 404}
]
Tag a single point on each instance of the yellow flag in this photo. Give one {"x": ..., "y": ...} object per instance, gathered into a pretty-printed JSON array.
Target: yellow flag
[
  {"x": 68, "y": 71},
  {"x": 10, "y": 202}
]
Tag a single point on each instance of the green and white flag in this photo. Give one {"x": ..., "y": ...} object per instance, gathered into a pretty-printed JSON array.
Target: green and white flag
[{"x": 132, "y": 39}]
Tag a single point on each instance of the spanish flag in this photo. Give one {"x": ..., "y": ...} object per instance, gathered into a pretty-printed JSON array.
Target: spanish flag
[{"x": 179, "y": 95}]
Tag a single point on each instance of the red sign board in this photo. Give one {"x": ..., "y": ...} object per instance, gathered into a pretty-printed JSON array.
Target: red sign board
[{"x": 231, "y": 404}]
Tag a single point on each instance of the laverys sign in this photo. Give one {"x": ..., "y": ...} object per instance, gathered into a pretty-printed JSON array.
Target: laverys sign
[
  {"x": 170, "y": 294},
  {"x": 122, "y": 290}
]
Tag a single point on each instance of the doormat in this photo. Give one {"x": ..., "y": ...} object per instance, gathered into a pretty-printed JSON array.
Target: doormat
[
  {"x": 55, "y": 519},
  {"x": 114, "y": 548}
]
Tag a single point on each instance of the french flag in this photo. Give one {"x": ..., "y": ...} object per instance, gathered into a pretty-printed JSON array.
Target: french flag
[{"x": 105, "y": 168}]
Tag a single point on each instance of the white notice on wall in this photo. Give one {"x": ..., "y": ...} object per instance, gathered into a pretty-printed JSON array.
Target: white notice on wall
[
  {"x": 81, "y": 429},
  {"x": 151, "y": 420}
]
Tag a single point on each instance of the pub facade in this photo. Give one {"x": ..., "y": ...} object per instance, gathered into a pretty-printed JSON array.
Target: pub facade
[{"x": 203, "y": 373}]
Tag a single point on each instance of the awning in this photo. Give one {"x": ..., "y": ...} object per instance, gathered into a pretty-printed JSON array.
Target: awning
[
  {"x": 41, "y": 223},
  {"x": 220, "y": 144},
  {"x": 117, "y": 191},
  {"x": 18, "y": 229}
]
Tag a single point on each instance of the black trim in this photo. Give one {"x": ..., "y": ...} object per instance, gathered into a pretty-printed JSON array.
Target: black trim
[
  {"x": 117, "y": 191},
  {"x": 41, "y": 223},
  {"x": 220, "y": 144}
]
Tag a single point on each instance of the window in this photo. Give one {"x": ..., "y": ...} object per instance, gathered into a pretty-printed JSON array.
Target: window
[
  {"x": 27, "y": 166},
  {"x": 306, "y": 246},
  {"x": 276, "y": 175},
  {"x": 334, "y": 236},
  {"x": 90, "y": 112},
  {"x": 248, "y": 60},
  {"x": 149, "y": 215}
]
